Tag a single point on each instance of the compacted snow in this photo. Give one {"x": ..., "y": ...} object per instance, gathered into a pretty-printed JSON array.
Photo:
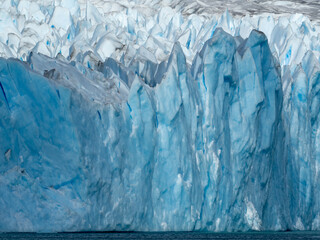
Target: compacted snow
[{"x": 158, "y": 116}]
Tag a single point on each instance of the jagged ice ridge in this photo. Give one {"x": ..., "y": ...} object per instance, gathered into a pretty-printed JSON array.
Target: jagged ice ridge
[{"x": 129, "y": 121}]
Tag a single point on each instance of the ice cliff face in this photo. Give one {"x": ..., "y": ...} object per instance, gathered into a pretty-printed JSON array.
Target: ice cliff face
[
  {"x": 127, "y": 117},
  {"x": 223, "y": 144}
]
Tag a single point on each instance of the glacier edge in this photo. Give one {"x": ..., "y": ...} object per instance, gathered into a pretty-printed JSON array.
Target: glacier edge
[{"x": 226, "y": 144}]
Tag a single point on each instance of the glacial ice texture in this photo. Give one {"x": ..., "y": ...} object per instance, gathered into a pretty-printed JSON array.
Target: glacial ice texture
[
  {"x": 224, "y": 144},
  {"x": 127, "y": 117}
]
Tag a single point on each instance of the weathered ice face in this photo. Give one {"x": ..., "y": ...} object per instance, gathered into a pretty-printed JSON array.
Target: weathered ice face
[{"x": 159, "y": 116}]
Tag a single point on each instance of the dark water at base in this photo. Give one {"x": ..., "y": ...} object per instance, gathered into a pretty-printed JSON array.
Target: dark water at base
[{"x": 164, "y": 235}]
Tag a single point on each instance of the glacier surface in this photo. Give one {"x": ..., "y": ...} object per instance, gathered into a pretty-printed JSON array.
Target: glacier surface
[{"x": 117, "y": 117}]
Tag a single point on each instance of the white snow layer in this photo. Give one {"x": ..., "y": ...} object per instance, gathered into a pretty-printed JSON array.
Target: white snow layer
[{"x": 91, "y": 31}]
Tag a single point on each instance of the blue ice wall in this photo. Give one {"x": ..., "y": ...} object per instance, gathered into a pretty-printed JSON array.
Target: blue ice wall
[{"x": 225, "y": 144}]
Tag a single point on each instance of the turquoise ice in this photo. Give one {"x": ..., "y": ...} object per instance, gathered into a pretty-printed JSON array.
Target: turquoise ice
[{"x": 225, "y": 144}]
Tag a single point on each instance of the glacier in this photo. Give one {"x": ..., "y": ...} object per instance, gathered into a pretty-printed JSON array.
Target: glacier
[{"x": 122, "y": 119}]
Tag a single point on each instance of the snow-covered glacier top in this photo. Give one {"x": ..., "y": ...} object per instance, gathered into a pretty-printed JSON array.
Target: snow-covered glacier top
[
  {"x": 139, "y": 35},
  {"x": 91, "y": 31}
]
